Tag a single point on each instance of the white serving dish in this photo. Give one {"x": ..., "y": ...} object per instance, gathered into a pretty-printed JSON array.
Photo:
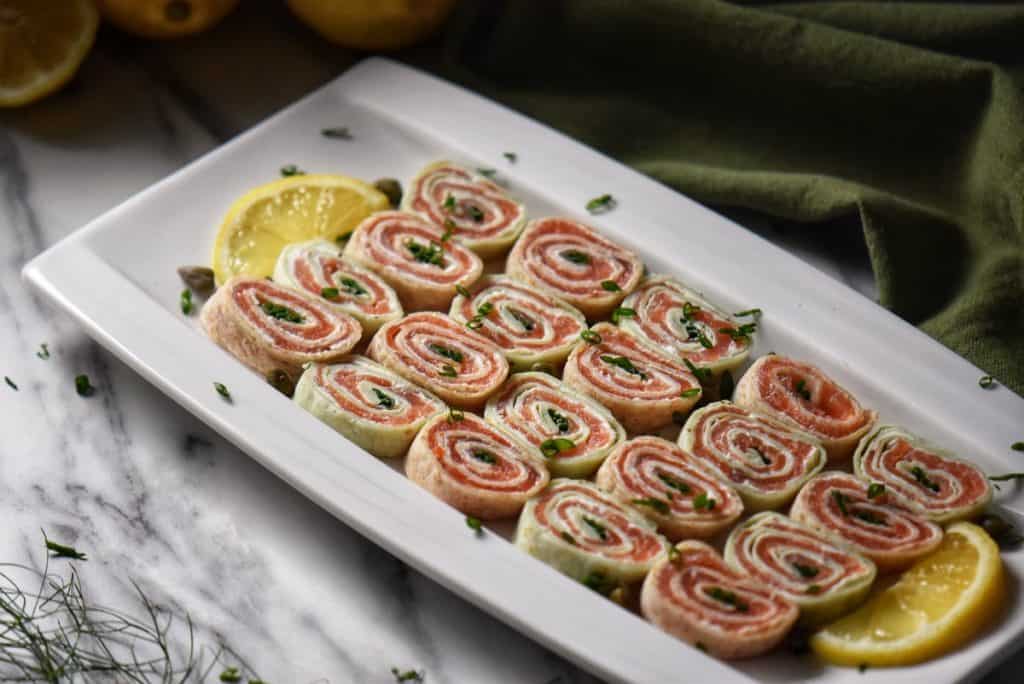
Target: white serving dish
[{"x": 116, "y": 276}]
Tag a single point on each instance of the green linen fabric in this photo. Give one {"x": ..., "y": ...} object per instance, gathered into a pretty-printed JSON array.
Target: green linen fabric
[{"x": 905, "y": 118}]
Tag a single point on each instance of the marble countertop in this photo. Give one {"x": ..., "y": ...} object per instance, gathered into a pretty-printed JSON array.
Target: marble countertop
[{"x": 149, "y": 492}]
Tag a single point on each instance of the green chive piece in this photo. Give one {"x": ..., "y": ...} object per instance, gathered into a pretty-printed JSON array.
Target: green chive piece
[
  {"x": 352, "y": 286},
  {"x": 511, "y": 156},
  {"x": 597, "y": 527},
  {"x": 840, "y": 500},
  {"x": 448, "y": 371},
  {"x": 755, "y": 313},
  {"x": 291, "y": 170},
  {"x": 702, "y": 374},
  {"x": 484, "y": 309},
  {"x": 186, "y": 301},
  {"x": 986, "y": 381},
  {"x": 487, "y": 173},
  {"x": 806, "y": 571},
  {"x": 329, "y": 293},
  {"x": 801, "y": 389},
  {"x": 230, "y": 675},
  {"x": 449, "y": 230},
  {"x": 703, "y": 501},
  {"x": 83, "y": 386},
  {"x": 10, "y": 383},
  {"x": 281, "y": 312},
  {"x": 455, "y": 415},
  {"x": 426, "y": 254},
  {"x": 339, "y": 133},
  {"x": 1007, "y": 477},
  {"x": 590, "y": 337},
  {"x": 560, "y": 421},
  {"x": 610, "y": 286},
  {"x": 657, "y": 504},
  {"x": 475, "y": 213},
  {"x": 568, "y": 538},
  {"x": 692, "y": 392},
  {"x": 622, "y": 312},
  {"x": 44, "y": 351},
  {"x": 870, "y": 517},
  {"x": 521, "y": 318},
  {"x": 625, "y": 364},
  {"x": 601, "y": 204},
  {"x": 384, "y": 400},
  {"x": 485, "y": 456},
  {"x": 673, "y": 555},
  {"x": 446, "y": 352},
  {"x": 575, "y": 256},
  {"x": 474, "y": 524},
  {"x": 449, "y": 203},
  {"x": 475, "y": 323},
  {"x": 675, "y": 484},
  {"x": 875, "y": 489},
  {"x": 553, "y": 447},
  {"x": 461, "y": 290},
  {"x": 740, "y": 334},
  {"x": 1017, "y": 446},
  {"x": 922, "y": 478},
  {"x": 222, "y": 390},
  {"x": 727, "y": 597},
  {"x": 408, "y": 675},
  {"x": 63, "y": 550}
]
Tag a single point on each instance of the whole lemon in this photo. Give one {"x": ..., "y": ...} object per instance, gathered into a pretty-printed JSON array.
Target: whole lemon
[
  {"x": 164, "y": 18},
  {"x": 373, "y": 24}
]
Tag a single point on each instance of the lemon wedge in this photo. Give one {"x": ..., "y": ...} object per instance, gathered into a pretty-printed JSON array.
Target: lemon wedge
[
  {"x": 294, "y": 209},
  {"x": 940, "y": 603},
  {"x": 42, "y": 45}
]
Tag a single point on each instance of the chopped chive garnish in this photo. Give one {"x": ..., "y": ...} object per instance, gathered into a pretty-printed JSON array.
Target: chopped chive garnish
[
  {"x": 186, "y": 301},
  {"x": 703, "y": 501},
  {"x": 475, "y": 213},
  {"x": 475, "y": 323},
  {"x": 221, "y": 388},
  {"x": 727, "y": 597},
  {"x": 291, "y": 170},
  {"x": 83, "y": 386},
  {"x": 673, "y": 555},
  {"x": 986, "y": 381},
  {"x": 806, "y": 571},
  {"x": 690, "y": 393},
  {"x": 575, "y": 256},
  {"x": 590, "y": 336},
  {"x": 484, "y": 309},
  {"x": 922, "y": 478},
  {"x": 610, "y": 286},
  {"x": 875, "y": 489},
  {"x": 560, "y": 421},
  {"x": 657, "y": 504},
  {"x": 461, "y": 290},
  {"x": 10, "y": 383},
  {"x": 339, "y": 133},
  {"x": 622, "y": 312},
  {"x": 63, "y": 550},
  {"x": 329, "y": 292},
  {"x": 44, "y": 351},
  {"x": 474, "y": 524},
  {"x": 840, "y": 500},
  {"x": 702, "y": 374},
  {"x": 487, "y": 173},
  {"x": 568, "y": 538},
  {"x": 449, "y": 230},
  {"x": 448, "y": 371},
  {"x": 352, "y": 286},
  {"x": 1017, "y": 446},
  {"x": 446, "y": 352},
  {"x": 485, "y": 456},
  {"x": 756, "y": 313},
  {"x": 410, "y": 675},
  {"x": 521, "y": 318},
  {"x": 455, "y": 415},
  {"x": 230, "y": 675},
  {"x": 1007, "y": 477},
  {"x": 869, "y": 517},
  {"x": 601, "y": 204},
  {"x": 741, "y": 333},
  {"x": 598, "y": 528},
  {"x": 449, "y": 203},
  {"x": 426, "y": 254},
  {"x": 384, "y": 400},
  {"x": 688, "y": 311},
  {"x": 511, "y": 156},
  {"x": 555, "y": 446},
  {"x": 801, "y": 389},
  {"x": 281, "y": 312},
  {"x": 675, "y": 484},
  {"x": 625, "y": 364}
]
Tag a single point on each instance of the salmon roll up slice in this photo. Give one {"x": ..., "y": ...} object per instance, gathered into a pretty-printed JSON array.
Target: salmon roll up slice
[
  {"x": 574, "y": 433},
  {"x": 641, "y": 386},
  {"x": 478, "y": 212},
  {"x": 681, "y": 322},
  {"x": 823, "y": 579},
  {"x": 317, "y": 268},
  {"x": 803, "y": 396},
  {"x": 922, "y": 477},
  {"x": 430, "y": 349},
  {"x": 588, "y": 535},
  {"x": 270, "y": 327},
  {"x": 368, "y": 404},
  {"x": 864, "y": 518},
  {"x": 765, "y": 460},
  {"x": 476, "y": 467},
  {"x": 661, "y": 481},
  {"x": 415, "y": 257},
  {"x": 533, "y": 328},
  {"x": 575, "y": 263},
  {"x": 694, "y": 596}
]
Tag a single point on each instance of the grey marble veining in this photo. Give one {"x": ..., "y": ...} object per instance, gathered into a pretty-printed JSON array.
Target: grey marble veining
[{"x": 149, "y": 492}]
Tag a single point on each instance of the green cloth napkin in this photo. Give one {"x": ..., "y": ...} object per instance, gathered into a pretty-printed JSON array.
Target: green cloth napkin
[{"x": 905, "y": 118}]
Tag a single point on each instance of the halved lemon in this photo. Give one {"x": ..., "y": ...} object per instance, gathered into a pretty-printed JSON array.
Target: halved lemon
[
  {"x": 937, "y": 605},
  {"x": 261, "y": 222},
  {"x": 165, "y": 18},
  {"x": 42, "y": 45}
]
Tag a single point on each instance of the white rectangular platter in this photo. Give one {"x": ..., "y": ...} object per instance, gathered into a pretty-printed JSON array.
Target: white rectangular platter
[{"x": 117, "y": 277}]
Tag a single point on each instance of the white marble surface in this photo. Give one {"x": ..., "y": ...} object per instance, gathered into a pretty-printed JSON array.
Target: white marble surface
[{"x": 143, "y": 487}]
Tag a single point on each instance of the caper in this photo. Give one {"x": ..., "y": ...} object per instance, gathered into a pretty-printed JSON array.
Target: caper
[
  {"x": 198, "y": 278},
  {"x": 281, "y": 381},
  {"x": 390, "y": 187}
]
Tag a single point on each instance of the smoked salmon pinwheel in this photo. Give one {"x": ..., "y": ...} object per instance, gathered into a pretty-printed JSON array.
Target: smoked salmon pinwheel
[
  {"x": 679, "y": 321},
  {"x": 663, "y": 482},
  {"x": 415, "y": 257},
  {"x": 575, "y": 263},
  {"x": 920, "y": 476},
  {"x": 478, "y": 212},
  {"x": 533, "y": 328},
  {"x": 474, "y": 466},
  {"x": 864, "y": 518},
  {"x": 367, "y": 403},
  {"x": 271, "y": 327},
  {"x": 573, "y": 432},
  {"x": 317, "y": 268},
  {"x": 823, "y": 579},
  {"x": 586, "y": 534},
  {"x": 435, "y": 352},
  {"x": 694, "y": 596},
  {"x": 641, "y": 386},
  {"x": 803, "y": 396},
  {"x": 765, "y": 460}
]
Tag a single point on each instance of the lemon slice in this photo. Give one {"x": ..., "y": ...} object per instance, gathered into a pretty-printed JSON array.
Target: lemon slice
[
  {"x": 941, "y": 602},
  {"x": 295, "y": 209},
  {"x": 41, "y": 46}
]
